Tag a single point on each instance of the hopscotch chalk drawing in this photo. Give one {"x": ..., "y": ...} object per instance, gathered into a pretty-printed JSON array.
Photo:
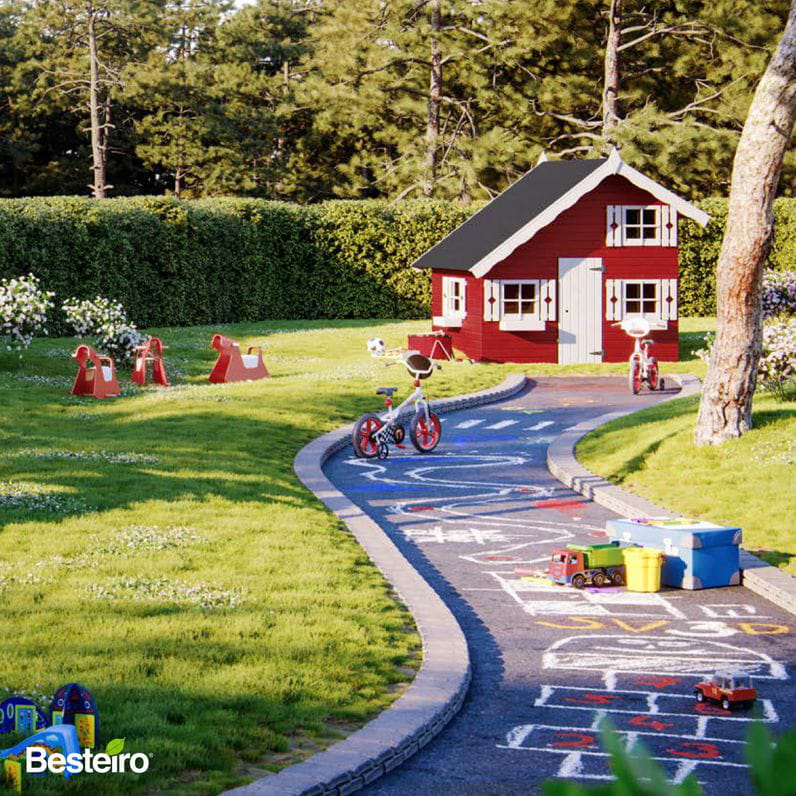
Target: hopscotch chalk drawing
[{"x": 646, "y": 691}]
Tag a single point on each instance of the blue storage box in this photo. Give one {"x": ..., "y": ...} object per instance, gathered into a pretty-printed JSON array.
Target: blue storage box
[{"x": 699, "y": 555}]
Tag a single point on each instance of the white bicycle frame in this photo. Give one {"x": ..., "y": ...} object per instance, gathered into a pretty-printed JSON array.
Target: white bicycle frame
[{"x": 390, "y": 417}]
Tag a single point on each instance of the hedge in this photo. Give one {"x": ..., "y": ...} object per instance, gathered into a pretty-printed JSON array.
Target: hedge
[
  {"x": 178, "y": 263},
  {"x": 226, "y": 260}
]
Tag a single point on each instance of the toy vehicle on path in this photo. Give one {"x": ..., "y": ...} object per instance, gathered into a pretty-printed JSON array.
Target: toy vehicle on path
[
  {"x": 582, "y": 564},
  {"x": 729, "y": 689}
]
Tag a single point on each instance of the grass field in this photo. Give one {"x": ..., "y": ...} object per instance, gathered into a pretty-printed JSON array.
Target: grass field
[
  {"x": 749, "y": 481},
  {"x": 158, "y": 548}
]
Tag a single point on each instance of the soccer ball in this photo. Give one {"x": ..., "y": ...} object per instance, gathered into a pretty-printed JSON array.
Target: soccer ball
[{"x": 376, "y": 345}]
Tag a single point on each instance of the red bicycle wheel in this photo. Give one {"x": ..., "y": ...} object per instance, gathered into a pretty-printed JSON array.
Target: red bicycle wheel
[
  {"x": 425, "y": 436},
  {"x": 634, "y": 377},
  {"x": 362, "y": 438},
  {"x": 652, "y": 375}
]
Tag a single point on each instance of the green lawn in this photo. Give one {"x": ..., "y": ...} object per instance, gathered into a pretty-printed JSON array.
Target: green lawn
[
  {"x": 159, "y": 549},
  {"x": 749, "y": 482}
]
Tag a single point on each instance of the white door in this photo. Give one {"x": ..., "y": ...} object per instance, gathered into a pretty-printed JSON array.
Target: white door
[{"x": 580, "y": 329}]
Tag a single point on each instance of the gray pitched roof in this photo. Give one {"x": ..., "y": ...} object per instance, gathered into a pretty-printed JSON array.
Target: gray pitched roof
[{"x": 506, "y": 213}]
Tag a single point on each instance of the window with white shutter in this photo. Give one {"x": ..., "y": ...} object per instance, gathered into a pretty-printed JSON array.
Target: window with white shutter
[
  {"x": 454, "y": 302},
  {"x": 641, "y": 225}
]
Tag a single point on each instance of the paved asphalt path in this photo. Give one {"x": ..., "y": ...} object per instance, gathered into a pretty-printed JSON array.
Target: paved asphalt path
[{"x": 550, "y": 662}]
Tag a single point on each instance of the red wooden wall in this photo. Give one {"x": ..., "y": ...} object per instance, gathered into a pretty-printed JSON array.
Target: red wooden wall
[{"x": 577, "y": 232}]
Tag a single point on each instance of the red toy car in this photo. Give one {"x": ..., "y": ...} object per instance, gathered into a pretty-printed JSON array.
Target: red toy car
[{"x": 729, "y": 689}]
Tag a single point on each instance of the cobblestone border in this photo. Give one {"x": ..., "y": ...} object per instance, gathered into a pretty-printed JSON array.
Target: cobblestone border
[
  {"x": 769, "y": 582},
  {"x": 438, "y": 690}
]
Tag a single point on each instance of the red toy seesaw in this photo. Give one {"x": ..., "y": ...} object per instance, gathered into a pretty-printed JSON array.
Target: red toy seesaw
[
  {"x": 96, "y": 375},
  {"x": 231, "y": 365}
]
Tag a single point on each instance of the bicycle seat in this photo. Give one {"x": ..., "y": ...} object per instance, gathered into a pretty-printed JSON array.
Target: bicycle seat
[
  {"x": 648, "y": 341},
  {"x": 388, "y": 391},
  {"x": 419, "y": 366}
]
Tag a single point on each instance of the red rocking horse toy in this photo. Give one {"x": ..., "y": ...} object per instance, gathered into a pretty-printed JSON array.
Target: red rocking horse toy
[
  {"x": 96, "y": 375},
  {"x": 151, "y": 351},
  {"x": 231, "y": 365}
]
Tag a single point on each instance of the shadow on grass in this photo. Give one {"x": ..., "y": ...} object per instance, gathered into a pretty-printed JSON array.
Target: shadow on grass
[
  {"x": 768, "y": 416},
  {"x": 690, "y": 343},
  {"x": 777, "y": 558}
]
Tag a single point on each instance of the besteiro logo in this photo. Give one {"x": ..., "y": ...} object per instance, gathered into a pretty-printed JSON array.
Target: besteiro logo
[{"x": 111, "y": 761}]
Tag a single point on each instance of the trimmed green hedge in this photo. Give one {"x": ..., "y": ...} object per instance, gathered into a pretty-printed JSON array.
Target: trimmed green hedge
[
  {"x": 699, "y": 252},
  {"x": 226, "y": 260}
]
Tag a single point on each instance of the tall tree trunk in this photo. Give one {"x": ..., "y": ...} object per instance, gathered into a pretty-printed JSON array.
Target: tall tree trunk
[
  {"x": 97, "y": 146},
  {"x": 725, "y": 410},
  {"x": 611, "y": 77},
  {"x": 434, "y": 103}
]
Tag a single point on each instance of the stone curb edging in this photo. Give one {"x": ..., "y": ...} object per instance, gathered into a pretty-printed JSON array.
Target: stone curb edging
[
  {"x": 769, "y": 582},
  {"x": 441, "y": 684}
]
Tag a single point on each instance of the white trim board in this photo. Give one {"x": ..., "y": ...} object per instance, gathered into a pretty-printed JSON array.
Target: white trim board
[{"x": 613, "y": 165}]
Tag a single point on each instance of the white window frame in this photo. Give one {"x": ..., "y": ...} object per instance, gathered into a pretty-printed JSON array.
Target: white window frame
[
  {"x": 650, "y": 316},
  {"x": 519, "y": 321},
  {"x": 641, "y": 241},
  {"x": 454, "y": 302}
]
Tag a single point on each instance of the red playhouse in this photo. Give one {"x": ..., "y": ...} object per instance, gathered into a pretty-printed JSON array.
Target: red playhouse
[
  {"x": 544, "y": 272},
  {"x": 231, "y": 365},
  {"x": 150, "y": 353},
  {"x": 96, "y": 375}
]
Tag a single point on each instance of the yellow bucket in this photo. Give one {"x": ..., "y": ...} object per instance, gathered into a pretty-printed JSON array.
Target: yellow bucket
[{"x": 643, "y": 568}]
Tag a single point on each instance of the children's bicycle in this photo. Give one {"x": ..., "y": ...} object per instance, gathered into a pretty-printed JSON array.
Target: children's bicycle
[
  {"x": 643, "y": 367},
  {"x": 373, "y": 434}
]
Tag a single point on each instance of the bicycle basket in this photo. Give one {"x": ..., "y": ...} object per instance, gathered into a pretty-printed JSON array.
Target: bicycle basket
[{"x": 419, "y": 366}]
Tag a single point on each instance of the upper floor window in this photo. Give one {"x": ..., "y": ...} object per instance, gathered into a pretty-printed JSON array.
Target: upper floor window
[{"x": 641, "y": 225}]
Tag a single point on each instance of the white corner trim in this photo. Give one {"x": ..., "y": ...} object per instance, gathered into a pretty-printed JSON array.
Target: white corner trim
[
  {"x": 613, "y": 165},
  {"x": 451, "y": 323},
  {"x": 530, "y": 325}
]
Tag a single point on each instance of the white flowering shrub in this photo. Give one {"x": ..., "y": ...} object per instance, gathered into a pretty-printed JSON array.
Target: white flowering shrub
[
  {"x": 778, "y": 363},
  {"x": 778, "y": 359},
  {"x": 105, "y": 321},
  {"x": 23, "y": 310},
  {"x": 779, "y": 293}
]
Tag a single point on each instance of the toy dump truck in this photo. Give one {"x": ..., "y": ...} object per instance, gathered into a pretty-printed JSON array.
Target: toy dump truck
[{"x": 582, "y": 564}]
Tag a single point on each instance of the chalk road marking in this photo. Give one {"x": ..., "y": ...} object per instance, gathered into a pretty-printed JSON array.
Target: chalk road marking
[
  {"x": 541, "y": 600},
  {"x": 540, "y": 426},
  {"x": 654, "y": 703},
  {"x": 501, "y": 424},
  {"x": 655, "y": 655},
  {"x": 470, "y": 423}
]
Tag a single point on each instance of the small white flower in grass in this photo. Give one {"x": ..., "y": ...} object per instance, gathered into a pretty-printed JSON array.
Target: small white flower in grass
[
  {"x": 31, "y": 497},
  {"x": 163, "y": 590}
]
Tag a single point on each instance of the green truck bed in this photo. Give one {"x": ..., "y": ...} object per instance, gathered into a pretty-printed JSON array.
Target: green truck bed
[{"x": 599, "y": 555}]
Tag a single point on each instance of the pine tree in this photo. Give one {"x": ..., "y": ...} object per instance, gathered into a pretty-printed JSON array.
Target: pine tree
[{"x": 82, "y": 47}]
